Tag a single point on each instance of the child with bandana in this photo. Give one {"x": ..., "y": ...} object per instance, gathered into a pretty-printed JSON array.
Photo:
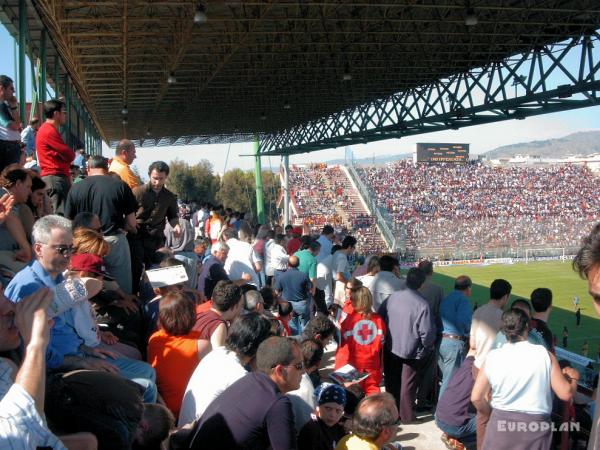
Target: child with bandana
[{"x": 324, "y": 431}]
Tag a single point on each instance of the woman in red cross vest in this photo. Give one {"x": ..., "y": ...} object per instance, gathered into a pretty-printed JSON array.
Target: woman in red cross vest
[{"x": 362, "y": 340}]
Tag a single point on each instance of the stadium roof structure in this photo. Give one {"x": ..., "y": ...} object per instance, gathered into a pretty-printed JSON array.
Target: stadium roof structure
[{"x": 304, "y": 75}]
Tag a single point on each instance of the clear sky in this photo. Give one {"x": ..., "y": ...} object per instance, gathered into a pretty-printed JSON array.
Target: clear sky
[{"x": 481, "y": 138}]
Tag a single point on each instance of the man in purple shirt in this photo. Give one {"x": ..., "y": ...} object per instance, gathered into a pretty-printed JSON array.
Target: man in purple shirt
[
  {"x": 409, "y": 341},
  {"x": 455, "y": 415},
  {"x": 264, "y": 418}
]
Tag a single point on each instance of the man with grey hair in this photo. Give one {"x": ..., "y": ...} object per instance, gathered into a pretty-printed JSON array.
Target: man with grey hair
[
  {"x": 254, "y": 302},
  {"x": 213, "y": 270},
  {"x": 53, "y": 247},
  {"x": 124, "y": 156}
]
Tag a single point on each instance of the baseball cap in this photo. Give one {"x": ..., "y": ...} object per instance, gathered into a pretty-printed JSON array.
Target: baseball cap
[{"x": 86, "y": 262}]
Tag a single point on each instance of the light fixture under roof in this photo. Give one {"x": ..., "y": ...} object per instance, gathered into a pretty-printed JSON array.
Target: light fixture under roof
[
  {"x": 471, "y": 18},
  {"x": 200, "y": 15},
  {"x": 124, "y": 121},
  {"x": 347, "y": 75},
  {"x": 263, "y": 116},
  {"x": 171, "y": 79},
  {"x": 124, "y": 111},
  {"x": 287, "y": 105}
]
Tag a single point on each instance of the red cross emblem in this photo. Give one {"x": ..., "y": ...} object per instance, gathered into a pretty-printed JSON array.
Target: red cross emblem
[{"x": 364, "y": 332}]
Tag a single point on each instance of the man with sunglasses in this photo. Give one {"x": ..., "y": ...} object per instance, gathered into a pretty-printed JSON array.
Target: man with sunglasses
[
  {"x": 264, "y": 419},
  {"x": 53, "y": 247}
]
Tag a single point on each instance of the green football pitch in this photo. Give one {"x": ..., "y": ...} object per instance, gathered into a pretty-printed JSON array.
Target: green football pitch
[{"x": 557, "y": 276}]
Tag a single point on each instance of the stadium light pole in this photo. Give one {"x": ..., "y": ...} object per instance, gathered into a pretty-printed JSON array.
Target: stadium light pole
[{"x": 260, "y": 201}]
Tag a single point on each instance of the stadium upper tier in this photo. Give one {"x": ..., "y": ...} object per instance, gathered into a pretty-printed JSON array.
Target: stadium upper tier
[{"x": 481, "y": 207}]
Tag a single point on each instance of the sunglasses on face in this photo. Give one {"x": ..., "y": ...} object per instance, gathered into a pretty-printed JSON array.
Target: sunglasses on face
[{"x": 64, "y": 250}]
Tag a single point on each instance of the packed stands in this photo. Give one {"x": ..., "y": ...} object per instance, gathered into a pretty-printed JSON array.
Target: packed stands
[
  {"x": 479, "y": 207},
  {"x": 324, "y": 195}
]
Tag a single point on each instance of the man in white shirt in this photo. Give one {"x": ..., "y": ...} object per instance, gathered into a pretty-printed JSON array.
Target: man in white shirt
[
  {"x": 326, "y": 241},
  {"x": 224, "y": 366},
  {"x": 241, "y": 258},
  {"x": 341, "y": 268},
  {"x": 387, "y": 281},
  {"x": 278, "y": 256}
]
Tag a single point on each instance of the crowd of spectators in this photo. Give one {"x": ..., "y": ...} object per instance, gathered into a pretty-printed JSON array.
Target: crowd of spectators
[
  {"x": 324, "y": 195},
  {"x": 479, "y": 206}
]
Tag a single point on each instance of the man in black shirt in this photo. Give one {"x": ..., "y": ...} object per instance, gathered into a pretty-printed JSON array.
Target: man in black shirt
[
  {"x": 541, "y": 301},
  {"x": 113, "y": 202},
  {"x": 264, "y": 419}
]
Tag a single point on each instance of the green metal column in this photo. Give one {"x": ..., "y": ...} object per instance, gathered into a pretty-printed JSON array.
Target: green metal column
[
  {"x": 22, "y": 44},
  {"x": 56, "y": 76},
  {"x": 44, "y": 62},
  {"x": 68, "y": 108},
  {"x": 260, "y": 201}
]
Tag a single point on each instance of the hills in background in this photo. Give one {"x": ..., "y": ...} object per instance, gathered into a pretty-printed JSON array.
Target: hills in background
[{"x": 582, "y": 143}]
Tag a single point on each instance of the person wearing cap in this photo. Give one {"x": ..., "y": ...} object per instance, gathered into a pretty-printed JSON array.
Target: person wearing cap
[{"x": 324, "y": 430}]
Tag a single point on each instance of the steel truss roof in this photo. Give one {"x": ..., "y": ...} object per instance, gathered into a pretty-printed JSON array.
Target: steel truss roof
[{"x": 272, "y": 68}]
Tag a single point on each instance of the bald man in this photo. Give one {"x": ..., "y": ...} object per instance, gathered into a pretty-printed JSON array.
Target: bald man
[
  {"x": 295, "y": 287},
  {"x": 124, "y": 156}
]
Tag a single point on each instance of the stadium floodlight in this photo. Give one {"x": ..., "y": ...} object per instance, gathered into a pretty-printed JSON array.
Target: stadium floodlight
[
  {"x": 171, "y": 79},
  {"x": 287, "y": 105},
  {"x": 347, "y": 75},
  {"x": 200, "y": 15},
  {"x": 471, "y": 18},
  {"x": 124, "y": 120}
]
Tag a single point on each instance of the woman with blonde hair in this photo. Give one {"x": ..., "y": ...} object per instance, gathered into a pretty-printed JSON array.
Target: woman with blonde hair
[{"x": 363, "y": 332}]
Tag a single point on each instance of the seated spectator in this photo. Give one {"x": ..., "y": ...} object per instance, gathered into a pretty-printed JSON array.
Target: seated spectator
[
  {"x": 363, "y": 332},
  {"x": 53, "y": 245},
  {"x": 374, "y": 424},
  {"x": 87, "y": 219},
  {"x": 515, "y": 384},
  {"x": 213, "y": 270},
  {"x": 224, "y": 365},
  {"x": 264, "y": 419},
  {"x": 109, "y": 406},
  {"x": 22, "y": 400},
  {"x": 227, "y": 303},
  {"x": 323, "y": 431},
  {"x": 253, "y": 302},
  {"x": 303, "y": 398},
  {"x": 15, "y": 248},
  {"x": 534, "y": 337},
  {"x": 175, "y": 350},
  {"x": 38, "y": 203}
]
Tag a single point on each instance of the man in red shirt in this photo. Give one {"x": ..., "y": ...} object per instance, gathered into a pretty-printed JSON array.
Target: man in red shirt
[{"x": 54, "y": 156}]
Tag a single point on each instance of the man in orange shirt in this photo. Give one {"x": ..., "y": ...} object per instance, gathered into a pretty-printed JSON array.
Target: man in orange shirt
[{"x": 124, "y": 156}]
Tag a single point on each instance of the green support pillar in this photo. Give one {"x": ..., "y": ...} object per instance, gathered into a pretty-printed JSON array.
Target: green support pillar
[
  {"x": 68, "y": 108},
  {"x": 44, "y": 62},
  {"x": 22, "y": 45},
  {"x": 260, "y": 201},
  {"x": 56, "y": 76}
]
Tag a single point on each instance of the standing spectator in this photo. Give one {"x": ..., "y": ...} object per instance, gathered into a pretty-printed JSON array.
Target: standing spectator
[
  {"x": 113, "y": 202},
  {"x": 241, "y": 258},
  {"x": 294, "y": 287},
  {"x": 387, "y": 281},
  {"x": 363, "y": 333},
  {"x": 264, "y": 419},
  {"x": 456, "y": 315},
  {"x": 278, "y": 256},
  {"x": 519, "y": 378},
  {"x": 565, "y": 337},
  {"x": 54, "y": 156},
  {"x": 10, "y": 123},
  {"x": 587, "y": 264},
  {"x": 326, "y": 240},
  {"x": 375, "y": 423},
  {"x": 578, "y": 317},
  {"x": 372, "y": 269},
  {"x": 156, "y": 205},
  {"x": 341, "y": 267},
  {"x": 28, "y": 136},
  {"x": 485, "y": 324},
  {"x": 308, "y": 264},
  {"x": 124, "y": 157},
  {"x": 80, "y": 160},
  {"x": 295, "y": 242},
  {"x": 541, "y": 301},
  {"x": 409, "y": 341}
]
